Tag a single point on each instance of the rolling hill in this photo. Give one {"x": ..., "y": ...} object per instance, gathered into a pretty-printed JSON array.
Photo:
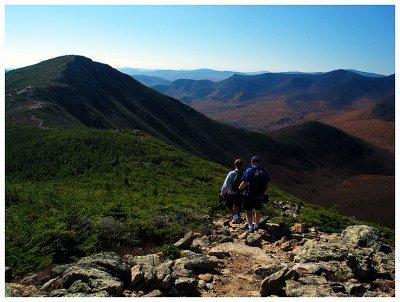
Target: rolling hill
[
  {"x": 271, "y": 101},
  {"x": 73, "y": 92}
]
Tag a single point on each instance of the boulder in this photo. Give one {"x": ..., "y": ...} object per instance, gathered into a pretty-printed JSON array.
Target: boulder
[
  {"x": 79, "y": 287},
  {"x": 199, "y": 245},
  {"x": 360, "y": 261},
  {"x": 321, "y": 252},
  {"x": 59, "y": 270},
  {"x": 206, "y": 277},
  {"x": 187, "y": 287},
  {"x": 363, "y": 236},
  {"x": 96, "y": 279},
  {"x": 299, "y": 228},
  {"x": 384, "y": 265},
  {"x": 109, "y": 262},
  {"x": 263, "y": 272},
  {"x": 276, "y": 231},
  {"x": 185, "y": 242},
  {"x": 151, "y": 273},
  {"x": 309, "y": 286},
  {"x": 273, "y": 284},
  {"x": 196, "y": 262},
  {"x": 256, "y": 254},
  {"x": 253, "y": 239}
]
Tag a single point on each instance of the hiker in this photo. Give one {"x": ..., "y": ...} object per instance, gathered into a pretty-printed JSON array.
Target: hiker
[
  {"x": 256, "y": 182},
  {"x": 233, "y": 198}
]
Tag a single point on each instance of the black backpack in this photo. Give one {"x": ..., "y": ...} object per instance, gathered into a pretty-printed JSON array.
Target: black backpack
[
  {"x": 258, "y": 182},
  {"x": 236, "y": 181}
]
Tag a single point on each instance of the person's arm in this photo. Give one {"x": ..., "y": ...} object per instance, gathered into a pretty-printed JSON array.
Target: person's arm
[
  {"x": 243, "y": 185},
  {"x": 227, "y": 184},
  {"x": 245, "y": 179}
]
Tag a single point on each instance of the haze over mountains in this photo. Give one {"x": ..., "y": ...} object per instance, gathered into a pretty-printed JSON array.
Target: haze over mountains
[{"x": 75, "y": 92}]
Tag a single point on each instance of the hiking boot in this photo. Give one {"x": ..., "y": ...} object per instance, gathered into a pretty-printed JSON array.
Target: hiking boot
[{"x": 251, "y": 228}]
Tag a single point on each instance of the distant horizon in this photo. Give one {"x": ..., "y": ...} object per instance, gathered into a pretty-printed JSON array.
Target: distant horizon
[
  {"x": 244, "y": 38},
  {"x": 208, "y": 68}
]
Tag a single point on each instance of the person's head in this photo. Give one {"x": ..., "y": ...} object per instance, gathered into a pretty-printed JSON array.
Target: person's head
[
  {"x": 238, "y": 163},
  {"x": 255, "y": 161}
]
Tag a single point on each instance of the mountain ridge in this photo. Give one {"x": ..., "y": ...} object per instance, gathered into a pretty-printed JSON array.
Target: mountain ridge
[{"x": 94, "y": 95}]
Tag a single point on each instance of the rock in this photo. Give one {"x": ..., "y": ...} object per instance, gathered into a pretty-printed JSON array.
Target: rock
[
  {"x": 199, "y": 245},
  {"x": 384, "y": 285},
  {"x": 210, "y": 286},
  {"x": 309, "y": 286},
  {"x": 185, "y": 242},
  {"x": 202, "y": 284},
  {"x": 197, "y": 262},
  {"x": 21, "y": 290},
  {"x": 273, "y": 284},
  {"x": 136, "y": 275},
  {"x": 299, "y": 228},
  {"x": 187, "y": 287},
  {"x": 253, "y": 239},
  {"x": 29, "y": 279},
  {"x": 59, "y": 270},
  {"x": 360, "y": 262},
  {"x": 109, "y": 262},
  {"x": 384, "y": 265},
  {"x": 243, "y": 236},
  {"x": 58, "y": 293},
  {"x": 219, "y": 254},
  {"x": 50, "y": 284},
  {"x": 256, "y": 254},
  {"x": 355, "y": 289},
  {"x": 276, "y": 231},
  {"x": 363, "y": 236},
  {"x": 320, "y": 252},
  {"x": 337, "y": 287},
  {"x": 263, "y": 272},
  {"x": 97, "y": 279},
  {"x": 151, "y": 273},
  {"x": 154, "y": 293},
  {"x": 79, "y": 287},
  {"x": 206, "y": 277}
]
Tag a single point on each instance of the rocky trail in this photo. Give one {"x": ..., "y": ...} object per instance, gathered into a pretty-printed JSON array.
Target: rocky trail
[{"x": 229, "y": 262}]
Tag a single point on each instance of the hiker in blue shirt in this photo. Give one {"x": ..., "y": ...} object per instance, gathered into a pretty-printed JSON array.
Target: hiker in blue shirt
[
  {"x": 256, "y": 181},
  {"x": 233, "y": 198}
]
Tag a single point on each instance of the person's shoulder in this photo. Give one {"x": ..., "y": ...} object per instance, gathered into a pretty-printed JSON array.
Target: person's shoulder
[{"x": 248, "y": 170}]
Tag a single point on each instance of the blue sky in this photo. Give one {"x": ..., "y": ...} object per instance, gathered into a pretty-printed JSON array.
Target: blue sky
[{"x": 241, "y": 38}]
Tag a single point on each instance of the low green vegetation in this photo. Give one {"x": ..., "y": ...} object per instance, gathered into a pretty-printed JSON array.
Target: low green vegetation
[{"x": 71, "y": 193}]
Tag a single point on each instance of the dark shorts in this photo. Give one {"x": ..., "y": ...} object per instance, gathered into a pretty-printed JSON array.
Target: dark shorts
[
  {"x": 234, "y": 200},
  {"x": 251, "y": 203}
]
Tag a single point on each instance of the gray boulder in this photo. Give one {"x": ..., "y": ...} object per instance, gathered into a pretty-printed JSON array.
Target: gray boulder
[
  {"x": 363, "y": 236},
  {"x": 185, "y": 242},
  {"x": 309, "y": 286}
]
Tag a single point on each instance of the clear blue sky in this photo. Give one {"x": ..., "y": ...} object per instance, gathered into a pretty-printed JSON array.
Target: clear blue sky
[{"x": 241, "y": 38}]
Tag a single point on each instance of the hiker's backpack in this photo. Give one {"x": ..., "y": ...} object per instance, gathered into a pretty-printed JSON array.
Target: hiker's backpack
[
  {"x": 258, "y": 183},
  {"x": 236, "y": 181}
]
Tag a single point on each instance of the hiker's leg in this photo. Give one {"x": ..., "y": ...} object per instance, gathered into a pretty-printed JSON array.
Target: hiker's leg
[
  {"x": 249, "y": 217},
  {"x": 257, "y": 216}
]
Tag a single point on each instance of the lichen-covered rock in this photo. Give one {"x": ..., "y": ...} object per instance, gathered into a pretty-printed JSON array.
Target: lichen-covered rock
[
  {"x": 263, "y": 272},
  {"x": 309, "y": 286},
  {"x": 360, "y": 261},
  {"x": 321, "y": 252},
  {"x": 196, "y": 262},
  {"x": 384, "y": 265},
  {"x": 363, "y": 236},
  {"x": 151, "y": 273},
  {"x": 79, "y": 287},
  {"x": 109, "y": 262},
  {"x": 59, "y": 270}
]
